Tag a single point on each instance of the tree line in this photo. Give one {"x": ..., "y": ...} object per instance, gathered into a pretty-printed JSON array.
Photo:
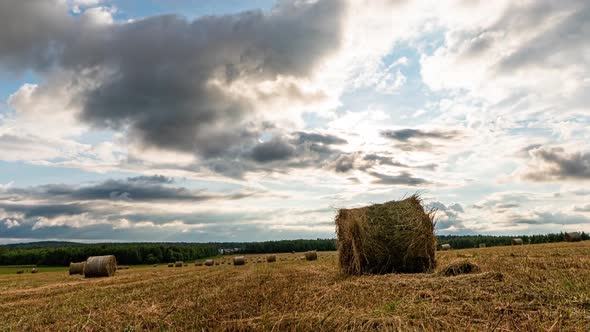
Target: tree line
[
  {"x": 473, "y": 241},
  {"x": 127, "y": 253},
  {"x": 62, "y": 253}
]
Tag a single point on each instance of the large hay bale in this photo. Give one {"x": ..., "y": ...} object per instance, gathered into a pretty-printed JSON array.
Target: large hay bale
[
  {"x": 100, "y": 266},
  {"x": 396, "y": 236},
  {"x": 209, "y": 262},
  {"x": 482, "y": 245},
  {"x": 517, "y": 241},
  {"x": 445, "y": 246},
  {"x": 178, "y": 264},
  {"x": 311, "y": 255},
  {"x": 77, "y": 268},
  {"x": 239, "y": 260},
  {"x": 572, "y": 236},
  {"x": 271, "y": 258}
]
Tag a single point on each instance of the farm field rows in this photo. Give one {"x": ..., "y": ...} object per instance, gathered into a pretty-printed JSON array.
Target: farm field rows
[{"x": 520, "y": 288}]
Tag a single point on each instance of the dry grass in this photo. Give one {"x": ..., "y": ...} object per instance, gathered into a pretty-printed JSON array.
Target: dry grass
[{"x": 520, "y": 288}]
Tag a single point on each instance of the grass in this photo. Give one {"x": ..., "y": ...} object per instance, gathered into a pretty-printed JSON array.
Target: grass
[{"x": 522, "y": 288}]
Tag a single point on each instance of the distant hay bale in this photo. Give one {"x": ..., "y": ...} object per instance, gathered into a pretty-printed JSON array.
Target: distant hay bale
[
  {"x": 216, "y": 263},
  {"x": 517, "y": 241},
  {"x": 292, "y": 252},
  {"x": 178, "y": 264},
  {"x": 396, "y": 236},
  {"x": 209, "y": 262},
  {"x": 155, "y": 265},
  {"x": 34, "y": 270},
  {"x": 445, "y": 246},
  {"x": 457, "y": 268},
  {"x": 77, "y": 268},
  {"x": 271, "y": 258},
  {"x": 239, "y": 260},
  {"x": 572, "y": 236},
  {"x": 482, "y": 245},
  {"x": 170, "y": 264},
  {"x": 100, "y": 266},
  {"x": 20, "y": 271},
  {"x": 311, "y": 255},
  {"x": 198, "y": 263},
  {"x": 122, "y": 267}
]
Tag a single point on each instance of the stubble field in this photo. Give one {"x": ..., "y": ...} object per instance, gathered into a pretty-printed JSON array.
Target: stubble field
[{"x": 521, "y": 288}]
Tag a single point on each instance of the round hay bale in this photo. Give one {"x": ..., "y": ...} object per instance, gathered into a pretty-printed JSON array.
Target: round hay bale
[
  {"x": 271, "y": 258},
  {"x": 292, "y": 252},
  {"x": 198, "y": 263},
  {"x": 178, "y": 264},
  {"x": 209, "y": 262},
  {"x": 100, "y": 266},
  {"x": 311, "y": 255},
  {"x": 122, "y": 267},
  {"x": 77, "y": 268},
  {"x": 457, "y": 268},
  {"x": 155, "y": 265},
  {"x": 34, "y": 270},
  {"x": 517, "y": 241},
  {"x": 482, "y": 245},
  {"x": 20, "y": 271},
  {"x": 445, "y": 246},
  {"x": 572, "y": 236},
  {"x": 239, "y": 260},
  {"x": 216, "y": 263},
  {"x": 170, "y": 264},
  {"x": 396, "y": 236}
]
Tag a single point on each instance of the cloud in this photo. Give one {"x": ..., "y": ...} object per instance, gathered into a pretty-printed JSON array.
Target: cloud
[
  {"x": 178, "y": 85},
  {"x": 403, "y": 178},
  {"x": 407, "y": 134},
  {"x": 585, "y": 208},
  {"x": 556, "y": 164}
]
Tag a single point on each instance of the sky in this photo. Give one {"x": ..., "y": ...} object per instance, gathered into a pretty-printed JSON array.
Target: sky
[{"x": 254, "y": 120}]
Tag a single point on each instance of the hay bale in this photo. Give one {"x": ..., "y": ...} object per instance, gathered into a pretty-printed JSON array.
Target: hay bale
[
  {"x": 457, "y": 268},
  {"x": 155, "y": 265},
  {"x": 100, "y": 266},
  {"x": 216, "y": 263},
  {"x": 239, "y": 260},
  {"x": 209, "y": 262},
  {"x": 178, "y": 264},
  {"x": 20, "y": 271},
  {"x": 77, "y": 268},
  {"x": 198, "y": 263},
  {"x": 34, "y": 270},
  {"x": 122, "y": 267},
  {"x": 517, "y": 241},
  {"x": 311, "y": 255},
  {"x": 396, "y": 236},
  {"x": 482, "y": 245},
  {"x": 271, "y": 258},
  {"x": 170, "y": 264},
  {"x": 572, "y": 236},
  {"x": 445, "y": 246}
]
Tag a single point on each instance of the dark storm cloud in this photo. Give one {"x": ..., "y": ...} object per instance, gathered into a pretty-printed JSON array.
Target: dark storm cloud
[
  {"x": 163, "y": 77},
  {"x": 404, "y": 178},
  {"x": 273, "y": 150},
  {"x": 144, "y": 188},
  {"x": 405, "y": 135},
  {"x": 29, "y": 30},
  {"x": 552, "y": 164}
]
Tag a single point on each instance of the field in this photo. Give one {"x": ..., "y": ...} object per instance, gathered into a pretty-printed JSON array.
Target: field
[{"x": 521, "y": 288}]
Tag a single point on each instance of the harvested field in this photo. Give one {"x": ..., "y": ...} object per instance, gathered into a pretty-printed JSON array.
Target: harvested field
[{"x": 519, "y": 288}]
